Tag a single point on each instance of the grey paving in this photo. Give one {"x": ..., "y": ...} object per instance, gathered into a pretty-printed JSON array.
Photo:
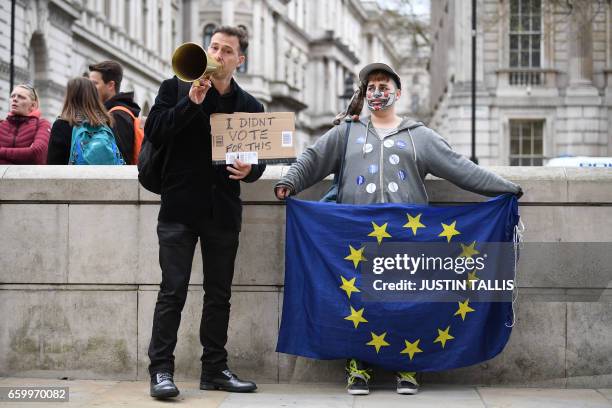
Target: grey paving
[{"x": 92, "y": 393}]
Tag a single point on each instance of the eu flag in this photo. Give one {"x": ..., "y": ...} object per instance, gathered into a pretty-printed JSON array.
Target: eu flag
[{"x": 324, "y": 313}]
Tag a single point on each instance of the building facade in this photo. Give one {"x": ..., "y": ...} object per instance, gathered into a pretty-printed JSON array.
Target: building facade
[
  {"x": 56, "y": 40},
  {"x": 544, "y": 78},
  {"x": 302, "y": 56}
]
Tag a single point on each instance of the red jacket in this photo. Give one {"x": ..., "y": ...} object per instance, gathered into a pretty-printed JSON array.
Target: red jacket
[{"x": 24, "y": 139}]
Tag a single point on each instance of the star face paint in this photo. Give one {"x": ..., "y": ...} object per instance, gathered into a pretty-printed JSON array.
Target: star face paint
[{"x": 380, "y": 98}]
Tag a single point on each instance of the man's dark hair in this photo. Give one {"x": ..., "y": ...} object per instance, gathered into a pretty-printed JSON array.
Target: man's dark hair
[
  {"x": 110, "y": 71},
  {"x": 243, "y": 38},
  {"x": 379, "y": 74}
]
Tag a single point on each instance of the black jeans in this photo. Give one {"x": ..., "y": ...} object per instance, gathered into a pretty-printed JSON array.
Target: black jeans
[{"x": 176, "y": 248}]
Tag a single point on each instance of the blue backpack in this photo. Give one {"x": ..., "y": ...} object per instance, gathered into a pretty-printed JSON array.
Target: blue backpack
[{"x": 94, "y": 145}]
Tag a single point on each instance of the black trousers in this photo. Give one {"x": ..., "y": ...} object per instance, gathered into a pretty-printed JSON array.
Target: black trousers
[{"x": 177, "y": 244}]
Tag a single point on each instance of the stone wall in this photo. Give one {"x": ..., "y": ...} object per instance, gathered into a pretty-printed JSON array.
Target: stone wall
[{"x": 79, "y": 277}]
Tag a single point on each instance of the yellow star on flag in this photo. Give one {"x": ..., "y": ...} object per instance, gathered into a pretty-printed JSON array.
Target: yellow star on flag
[
  {"x": 414, "y": 223},
  {"x": 356, "y": 317},
  {"x": 449, "y": 231},
  {"x": 411, "y": 348},
  {"x": 469, "y": 250},
  {"x": 377, "y": 341},
  {"x": 356, "y": 256},
  {"x": 464, "y": 309},
  {"x": 379, "y": 232},
  {"x": 443, "y": 336},
  {"x": 472, "y": 276},
  {"x": 348, "y": 286}
]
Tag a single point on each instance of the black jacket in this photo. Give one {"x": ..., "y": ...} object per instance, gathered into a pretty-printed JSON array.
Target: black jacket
[
  {"x": 124, "y": 125},
  {"x": 59, "y": 142},
  {"x": 194, "y": 191}
]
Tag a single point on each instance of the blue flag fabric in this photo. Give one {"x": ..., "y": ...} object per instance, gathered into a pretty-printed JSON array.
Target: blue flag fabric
[{"x": 403, "y": 336}]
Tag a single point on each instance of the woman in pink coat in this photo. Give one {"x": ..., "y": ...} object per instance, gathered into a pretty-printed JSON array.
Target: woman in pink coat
[{"x": 24, "y": 135}]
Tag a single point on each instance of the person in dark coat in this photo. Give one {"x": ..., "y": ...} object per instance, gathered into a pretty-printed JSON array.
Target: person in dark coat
[
  {"x": 198, "y": 200},
  {"x": 107, "y": 77}
]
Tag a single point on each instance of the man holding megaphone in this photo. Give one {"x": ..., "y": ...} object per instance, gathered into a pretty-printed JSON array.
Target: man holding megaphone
[{"x": 198, "y": 200}]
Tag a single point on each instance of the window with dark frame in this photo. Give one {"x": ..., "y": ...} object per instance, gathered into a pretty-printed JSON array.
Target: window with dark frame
[
  {"x": 526, "y": 142},
  {"x": 245, "y": 66},
  {"x": 208, "y": 33},
  {"x": 525, "y": 33}
]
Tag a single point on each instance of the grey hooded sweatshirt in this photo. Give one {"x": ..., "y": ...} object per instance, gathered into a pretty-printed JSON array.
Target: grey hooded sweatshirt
[{"x": 389, "y": 169}]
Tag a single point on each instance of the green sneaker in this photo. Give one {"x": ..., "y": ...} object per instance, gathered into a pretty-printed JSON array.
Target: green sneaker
[
  {"x": 407, "y": 383},
  {"x": 357, "y": 379}
]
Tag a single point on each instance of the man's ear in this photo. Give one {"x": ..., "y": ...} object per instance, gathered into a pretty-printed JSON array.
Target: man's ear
[
  {"x": 398, "y": 93},
  {"x": 112, "y": 85},
  {"x": 241, "y": 58}
]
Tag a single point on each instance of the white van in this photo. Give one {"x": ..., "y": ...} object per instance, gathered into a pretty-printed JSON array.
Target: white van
[{"x": 581, "y": 161}]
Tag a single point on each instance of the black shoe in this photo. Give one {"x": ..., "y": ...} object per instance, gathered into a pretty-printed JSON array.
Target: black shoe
[
  {"x": 162, "y": 386},
  {"x": 226, "y": 381}
]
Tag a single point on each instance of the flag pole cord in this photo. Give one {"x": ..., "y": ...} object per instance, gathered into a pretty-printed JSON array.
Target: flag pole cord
[{"x": 517, "y": 240}]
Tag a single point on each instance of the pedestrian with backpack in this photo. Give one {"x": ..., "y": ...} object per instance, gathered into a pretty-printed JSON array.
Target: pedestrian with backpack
[
  {"x": 107, "y": 77},
  {"x": 82, "y": 133}
]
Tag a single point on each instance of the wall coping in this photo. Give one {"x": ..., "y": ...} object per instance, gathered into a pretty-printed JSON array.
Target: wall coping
[{"x": 545, "y": 185}]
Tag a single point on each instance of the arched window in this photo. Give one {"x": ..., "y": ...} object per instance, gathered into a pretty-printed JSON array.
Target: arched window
[
  {"x": 244, "y": 67},
  {"x": 208, "y": 32}
]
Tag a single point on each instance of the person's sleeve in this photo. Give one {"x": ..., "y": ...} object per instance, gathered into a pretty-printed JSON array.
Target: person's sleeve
[
  {"x": 442, "y": 161},
  {"x": 124, "y": 134},
  {"x": 168, "y": 117},
  {"x": 36, "y": 153},
  {"x": 59, "y": 143},
  {"x": 257, "y": 170},
  {"x": 317, "y": 162}
]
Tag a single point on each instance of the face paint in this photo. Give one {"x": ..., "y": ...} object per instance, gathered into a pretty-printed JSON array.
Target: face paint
[{"x": 378, "y": 99}]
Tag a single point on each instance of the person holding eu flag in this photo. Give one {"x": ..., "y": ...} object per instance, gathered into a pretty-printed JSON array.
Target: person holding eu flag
[{"x": 384, "y": 158}]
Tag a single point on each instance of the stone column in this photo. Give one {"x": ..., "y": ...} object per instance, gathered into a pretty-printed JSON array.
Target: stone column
[
  {"x": 134, "y": 17},
  {"x": 581, "y": 52},
  {"x": 191, "y": 28},
  {"x": 320, "y": 22},
  {"x": 227, "y": 12},
  {"x": 331, "y": 85},
  {"x": 300, "y": 17},
  {"x": 116, "y": 12},
  {"x": 268, "y": 46},
  {"x": 318, "y": 92},
  {"x": 281, "y": 50},
  {"x": 340, "y": 76},
  {"x": 255, "y": 54},
  {"x": 166, "y": 27}
]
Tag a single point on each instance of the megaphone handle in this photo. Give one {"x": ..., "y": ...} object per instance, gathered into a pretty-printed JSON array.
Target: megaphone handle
[{"x": 196, "y": 82}]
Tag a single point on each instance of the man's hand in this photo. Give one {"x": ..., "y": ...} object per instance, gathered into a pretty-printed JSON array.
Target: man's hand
[
  {"x": 198, "y": 90},
  {"x": 282, "y": 192},
  {"x": 239, "y": 170}
]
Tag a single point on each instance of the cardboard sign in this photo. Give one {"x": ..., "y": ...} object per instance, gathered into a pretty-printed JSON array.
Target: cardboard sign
[{"x": 266, "y": 137}]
